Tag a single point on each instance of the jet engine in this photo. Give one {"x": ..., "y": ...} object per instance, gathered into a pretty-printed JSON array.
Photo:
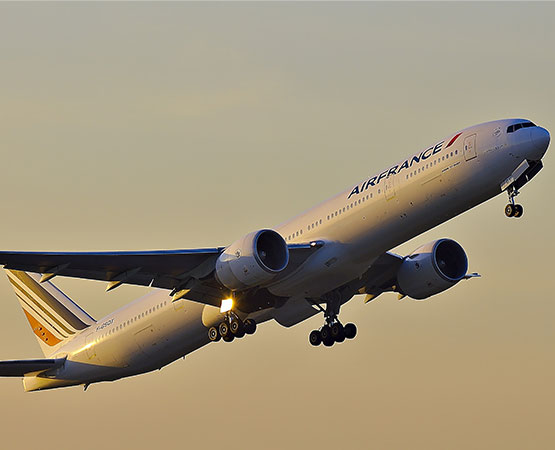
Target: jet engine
[
  {"x": 253, "y": 260},
  {"x": 432, "y": 269}
]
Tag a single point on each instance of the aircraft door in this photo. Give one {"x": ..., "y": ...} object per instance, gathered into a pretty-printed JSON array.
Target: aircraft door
[
  {"x": 389, "y": 188},
  {"x": 470, "y": 147}
]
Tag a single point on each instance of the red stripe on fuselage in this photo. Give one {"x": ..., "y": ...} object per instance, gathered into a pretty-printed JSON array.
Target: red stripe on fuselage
[{"x": 453, "y": 140}]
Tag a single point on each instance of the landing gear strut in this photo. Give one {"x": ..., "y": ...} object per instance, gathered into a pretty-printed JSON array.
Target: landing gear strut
[
  {"x": 332, "y": 331},
  {"x": 513, "y": 209},
  {"x": 231, "y": 327}
]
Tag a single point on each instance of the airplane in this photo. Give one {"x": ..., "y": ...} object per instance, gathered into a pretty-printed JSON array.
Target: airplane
[{"x": 313, "y": 263}]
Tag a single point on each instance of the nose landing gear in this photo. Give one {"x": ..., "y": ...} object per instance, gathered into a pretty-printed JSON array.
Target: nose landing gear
[
  {"x": 513, "y": 209},
  {"x": 230, "y": 328}
]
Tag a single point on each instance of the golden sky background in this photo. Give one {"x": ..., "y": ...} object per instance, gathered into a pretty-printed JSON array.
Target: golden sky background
[{"x": 150, "y": 126}]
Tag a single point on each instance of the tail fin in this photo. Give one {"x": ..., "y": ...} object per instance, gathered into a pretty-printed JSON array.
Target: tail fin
[{"x": 52, "y": 315}]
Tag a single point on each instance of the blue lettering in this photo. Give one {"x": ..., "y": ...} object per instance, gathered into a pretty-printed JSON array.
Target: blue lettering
[
  {"x": 354, "y": 191},
  {"x": 405, "y": 165},
  {"x": 392, "y": 171},
  {"x": 382, "y": 175},
  {"x": 370, "y": 182},
  {"x": 424, "y": 156},
  {"x": 437, "y": 148}
]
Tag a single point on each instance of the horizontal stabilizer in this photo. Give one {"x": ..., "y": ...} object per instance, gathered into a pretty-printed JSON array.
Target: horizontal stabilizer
[{"x": 22, "y": 367}]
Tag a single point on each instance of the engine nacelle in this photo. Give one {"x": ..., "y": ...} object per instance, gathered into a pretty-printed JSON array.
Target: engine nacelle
[
  {"x": 432, "y": 269},
  {"x": 253, "y": 260}
]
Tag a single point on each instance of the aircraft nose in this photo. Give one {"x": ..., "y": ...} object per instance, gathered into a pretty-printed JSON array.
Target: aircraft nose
[{"x": 540, "y": 139}]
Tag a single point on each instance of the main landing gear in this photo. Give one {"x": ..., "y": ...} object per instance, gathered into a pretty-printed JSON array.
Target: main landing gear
[
  {"x": 230, "y": 328},
  {"x": 332, "y": 331},
  {"x": 330, "y": 334},
  {"x": 513, "y": 209}
]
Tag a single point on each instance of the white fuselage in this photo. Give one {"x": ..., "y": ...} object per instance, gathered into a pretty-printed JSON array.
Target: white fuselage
[{"x": 357, "y": 226}]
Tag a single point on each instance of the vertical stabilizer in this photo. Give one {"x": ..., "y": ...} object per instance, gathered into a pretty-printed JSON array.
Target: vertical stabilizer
[{"x": 53, "y": 316}]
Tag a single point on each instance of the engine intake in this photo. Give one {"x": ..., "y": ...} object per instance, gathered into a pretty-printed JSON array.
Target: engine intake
[
  {"x": 432, "y": 269},
  {"x": 253, "y": 260}
]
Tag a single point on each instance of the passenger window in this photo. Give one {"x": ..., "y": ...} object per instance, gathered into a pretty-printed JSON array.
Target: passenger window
[{"x": 518, "y": 126}]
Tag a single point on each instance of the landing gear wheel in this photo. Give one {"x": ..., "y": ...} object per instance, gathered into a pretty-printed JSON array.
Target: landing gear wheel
[
  {"x": 228, "y": 338},
  {"x": 518, "y": 211},
  {"x": 236, "y": 327},
  {"x": 510, "y": 210},
  {"x": 327, "y": 338},
  {"x": 315, "y": 338},
  {"x": 214, "y": 334},
  {"x": 224, "y": 330},
  {"x": 350, "y": 331},
  {"x": 250, "y": 326},
  {"x": 337, "y": 332}
]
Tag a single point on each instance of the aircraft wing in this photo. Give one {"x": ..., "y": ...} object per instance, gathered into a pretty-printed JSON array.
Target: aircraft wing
[
  {"x": 167, "y": 269},
  {"x": 21, "y": 367},
  {"x": 162, "y": 269}
]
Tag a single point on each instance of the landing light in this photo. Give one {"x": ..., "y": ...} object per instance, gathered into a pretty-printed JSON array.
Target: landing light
[{"x": 227, "y": 304}]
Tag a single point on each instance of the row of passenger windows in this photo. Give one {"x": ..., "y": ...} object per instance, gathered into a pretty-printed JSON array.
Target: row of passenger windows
[
  {"x": 518, "y": 126},
  {"x": 332, "y": 215},
  {"x": 368, "y": 196},
  {"x": 431, "y": 164},
  {"x": 132, "y": 320}
]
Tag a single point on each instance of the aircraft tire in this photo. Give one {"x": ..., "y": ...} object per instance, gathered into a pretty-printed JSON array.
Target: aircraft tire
[
  {"x": 224, "y": 330},
  {"x": 214, "y": 334},
  {"x": 250, "y": 326},
  {"x": 315, "y": 338},
  {"x": 519, "y": 210},
  {"x": 228, "y": 338},
  {"x": 236, "y": 327},
  {"x": 510, "y": 210},
  {"x": 327, "y": 338},
  {"x": 350, "y": 331},
  {"x": 337, "y": 332}
]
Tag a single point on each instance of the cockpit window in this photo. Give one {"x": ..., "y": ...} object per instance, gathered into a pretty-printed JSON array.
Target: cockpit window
[{"x": 518, "y": 126}]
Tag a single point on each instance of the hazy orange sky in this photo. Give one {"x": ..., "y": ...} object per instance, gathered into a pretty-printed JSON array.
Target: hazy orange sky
[{"x": 182, "y": 125}]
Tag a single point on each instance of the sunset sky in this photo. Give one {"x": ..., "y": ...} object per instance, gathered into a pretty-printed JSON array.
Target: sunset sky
[{"x": 133, "y": 126}]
